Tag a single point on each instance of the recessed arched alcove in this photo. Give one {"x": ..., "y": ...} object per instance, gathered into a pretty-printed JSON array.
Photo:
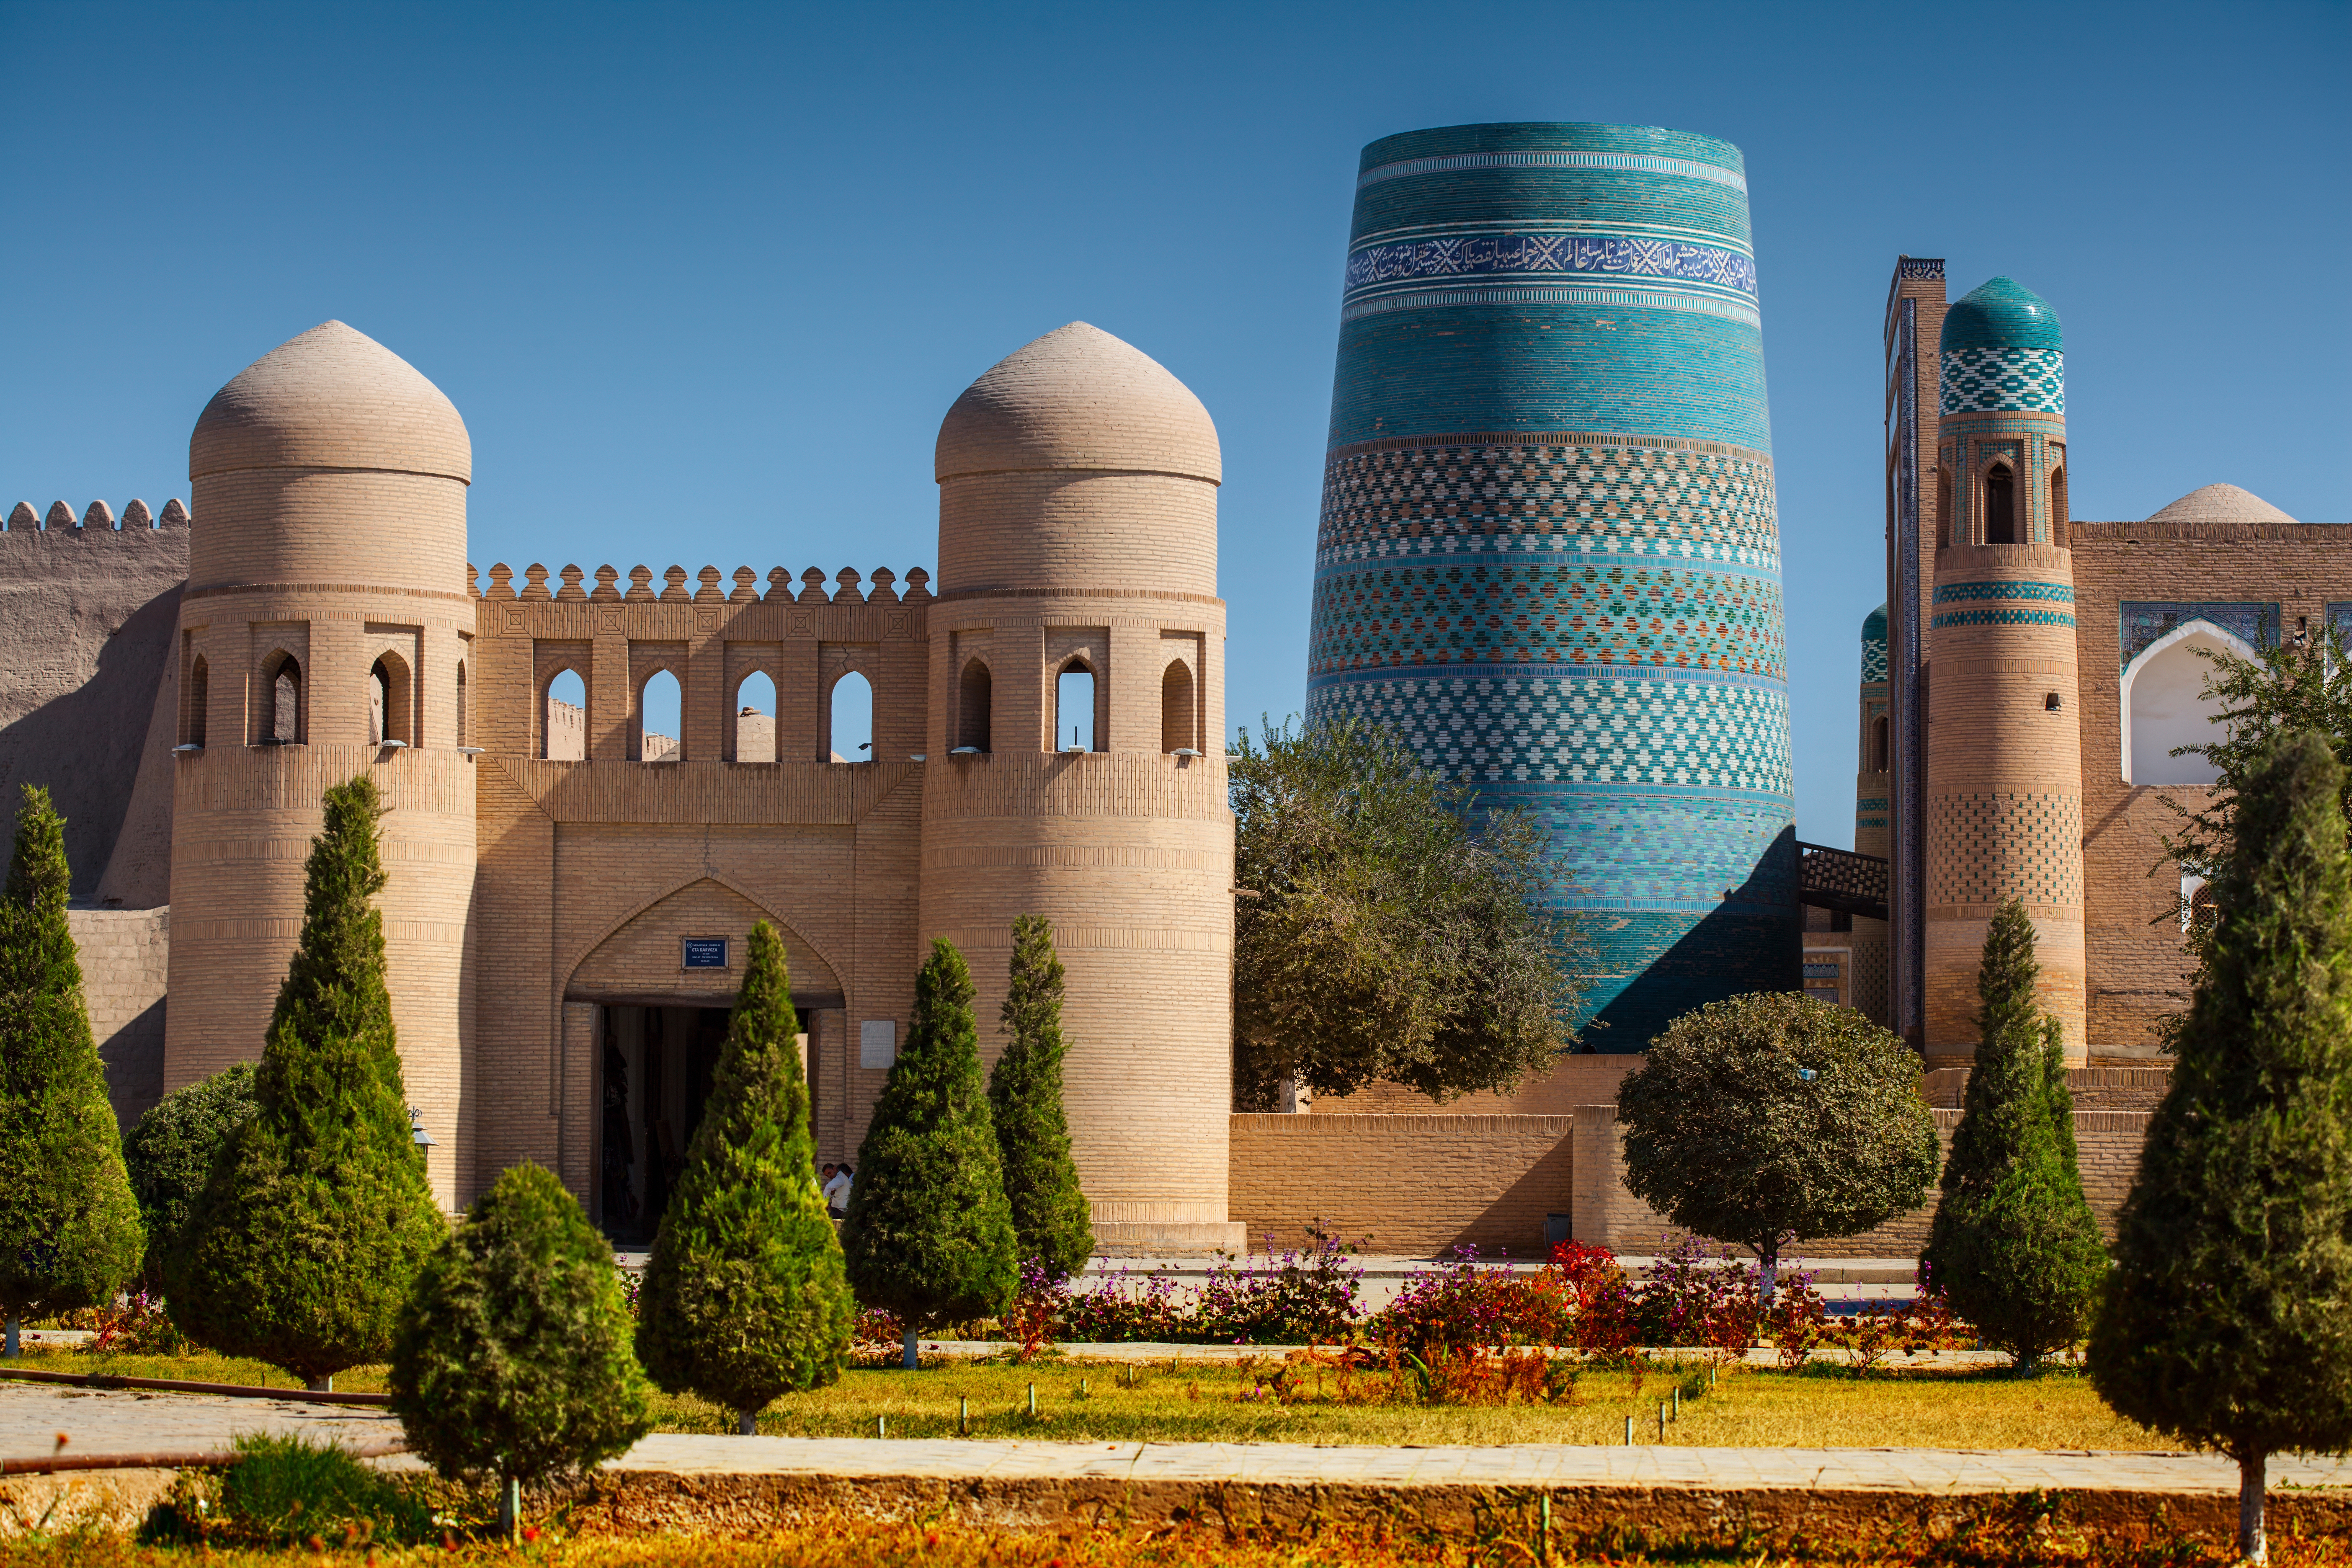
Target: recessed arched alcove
[
  {"x": 2163, "y": 704},
  {"x": 651, "y": 1001}
]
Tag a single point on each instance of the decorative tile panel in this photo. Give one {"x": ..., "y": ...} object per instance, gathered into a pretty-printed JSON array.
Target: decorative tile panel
[
  {"x": 2141, "y": 622},
  {"x": 1999, "y": 845},
  {"x": 2001, "y": 380}
]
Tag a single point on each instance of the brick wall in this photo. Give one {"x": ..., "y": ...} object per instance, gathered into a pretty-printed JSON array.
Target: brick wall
[
  {"x": 2107, "y": 1144},
  {"x": 2137, "y": 967},
  {"x": 1420, "y": 1184},
  {"x": 1407, "y": 1184}
]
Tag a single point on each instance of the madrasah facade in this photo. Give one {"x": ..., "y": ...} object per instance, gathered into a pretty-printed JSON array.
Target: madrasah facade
[{"x": 569, "y": 891}]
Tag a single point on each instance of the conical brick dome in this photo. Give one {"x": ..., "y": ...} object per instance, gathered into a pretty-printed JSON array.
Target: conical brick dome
[
  {"x": 1078, "y": 461},
  {"x": 331, "y": 398},
  {"x": 1078, "y": 398}
]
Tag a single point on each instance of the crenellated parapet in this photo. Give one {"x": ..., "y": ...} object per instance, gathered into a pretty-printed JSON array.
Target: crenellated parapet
[
  {"x": 713, "y": 639},
  {"x": 744, "y": 590},
  {"x": 97, "y": 518}
]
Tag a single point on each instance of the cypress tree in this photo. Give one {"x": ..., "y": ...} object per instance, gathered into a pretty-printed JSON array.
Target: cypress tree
[
  {"x": 511, "y": 1361},
  {"x": 171, "y": 1152},
  {"x": 70, "y": 1231},
  {"x": 2228, "y": 1319},
  {"x": 1050, "y": 1217},
  {"x": 744, "y": 1296},
  {"x": 311, "y": 1228},
  {"x": 2014, "y": 1243},
  {"x": 929, "y": 1235}
]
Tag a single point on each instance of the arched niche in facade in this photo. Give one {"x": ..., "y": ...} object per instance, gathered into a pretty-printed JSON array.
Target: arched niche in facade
[{"x": 2163, "y": 704}]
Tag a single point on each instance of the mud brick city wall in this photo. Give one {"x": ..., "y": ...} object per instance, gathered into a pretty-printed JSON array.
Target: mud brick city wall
[
  {"x": 88, "y": 606},
  {"x": 2137, "y": 968}
]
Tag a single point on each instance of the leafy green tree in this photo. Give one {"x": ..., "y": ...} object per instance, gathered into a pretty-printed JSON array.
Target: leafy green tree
[
  {"x": 511, "y": 1361},
  {"x": 311, "y": 1228},
  {"x": 2227, "y": 1319},
  {"x": 2014, "y": 1243},
  {"x": 2290, "y": 688},
  {"x": 1763, "y": 1117},
  {"x": 929, "y": 1235},
  {"x": 1050, "y": 1217},
  {"x": 1389, "y": 928},
  {"x": 744, "y": 1296},
  {"x": 69, "y": 1233},
  {"x": 171, "y": 1151}
]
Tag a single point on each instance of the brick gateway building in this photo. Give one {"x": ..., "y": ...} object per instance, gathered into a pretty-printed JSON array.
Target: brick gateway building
[{"x": 570, "y": 890}]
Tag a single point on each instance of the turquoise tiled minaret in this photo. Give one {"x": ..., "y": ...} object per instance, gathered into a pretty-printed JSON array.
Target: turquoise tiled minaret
[{"x": 1548, "y": 553}]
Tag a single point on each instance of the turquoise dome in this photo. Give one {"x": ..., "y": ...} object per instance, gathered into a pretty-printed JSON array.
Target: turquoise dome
[
  {"x": 2002, "y": 313},
  {"x": 1874, "y": 626}
]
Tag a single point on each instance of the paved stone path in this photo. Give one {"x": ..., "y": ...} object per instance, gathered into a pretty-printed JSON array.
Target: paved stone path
[
  {"x": 125, "y": 1421},
  {"x": 1932, "y": 1471}
]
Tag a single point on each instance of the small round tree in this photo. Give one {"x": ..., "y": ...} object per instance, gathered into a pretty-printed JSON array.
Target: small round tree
[
  {"x": 1763, "y": 1117},
  {"x": 1050, "y": 1217},
  {"x": 309, "y": 1231},
  {"x": 171, "y": 1151},
  {"x": 69, "y": 1232},
  {"x": 2226, "y": 1319},
  {"x": 2014, "y": 1243},
  {"x": 929, "y": 1235},
  {"x": 511, "y": 1361},
  {"x": 744, "y": 1296}
]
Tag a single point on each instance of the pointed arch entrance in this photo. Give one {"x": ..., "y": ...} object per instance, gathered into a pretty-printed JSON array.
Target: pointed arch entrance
[{"x": 646, "y": 1013}]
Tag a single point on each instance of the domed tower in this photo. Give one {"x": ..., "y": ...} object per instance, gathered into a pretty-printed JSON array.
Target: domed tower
[
  {"x": 1076, "y": 757},
  {"x": 323, "y": 634},
  {"x": 2004, "y": 798}
]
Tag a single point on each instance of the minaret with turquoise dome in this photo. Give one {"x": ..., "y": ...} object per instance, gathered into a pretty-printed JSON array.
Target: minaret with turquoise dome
[{"x": 2004, "y": 797}]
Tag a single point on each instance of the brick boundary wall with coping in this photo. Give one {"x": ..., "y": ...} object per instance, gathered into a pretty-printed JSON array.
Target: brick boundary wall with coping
[{"x": 1422, "y": 1184}]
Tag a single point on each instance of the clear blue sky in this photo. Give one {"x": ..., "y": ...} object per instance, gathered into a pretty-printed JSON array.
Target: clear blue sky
[{"x": 702, "y": 280}]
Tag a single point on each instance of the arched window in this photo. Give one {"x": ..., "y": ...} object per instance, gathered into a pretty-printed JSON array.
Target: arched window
[
  {"x": 2058, "y": 514},
  {"x": 1074, "y": 708},
  {"x": 975, "y": 699},
  {"x": 755, "y": 718},
  {"x": 563, "y": 728},
  {"x": 1878, "y": 745},
  {"x": 1176, "y": 728},
  {"x": 660, "y": 709},
  {"x": 389, "y": 701},
  {"x": 1943, "y": 506},
  {"x": 464, "y": 728},
  {"x": 281, "y": 683},
  {"x": 850, "y": 738},
  {"x": 199, "y": 696},
  {"x": 2001, "y": 506},
  {"x": 2165, "y": 706}
]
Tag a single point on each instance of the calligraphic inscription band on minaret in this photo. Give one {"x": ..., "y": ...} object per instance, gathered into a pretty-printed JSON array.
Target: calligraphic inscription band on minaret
[{"x": 1548, "y": 553}]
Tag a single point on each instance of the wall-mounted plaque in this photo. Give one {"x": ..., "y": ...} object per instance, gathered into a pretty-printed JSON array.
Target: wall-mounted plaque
[{"x": 704, "y": 953}]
